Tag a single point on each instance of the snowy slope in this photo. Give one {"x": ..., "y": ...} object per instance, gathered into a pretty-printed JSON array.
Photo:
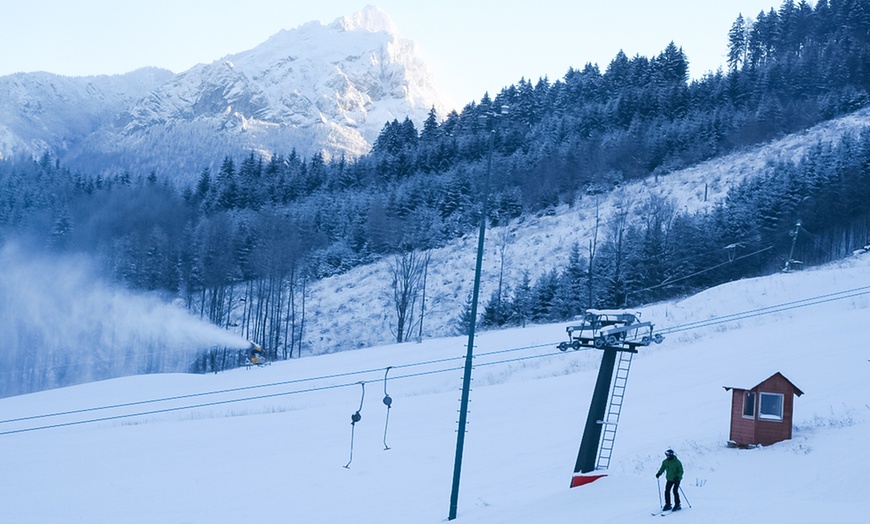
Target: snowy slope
[
  {"x": 46, "y": 112},
  {"x": 280, "y": 457},
  {"x": 536, "y": 243},
  {"x": 356, "y": 72}
]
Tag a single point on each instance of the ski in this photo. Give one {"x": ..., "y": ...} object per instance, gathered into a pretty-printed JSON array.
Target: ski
[{"x": 665, "y": 513}]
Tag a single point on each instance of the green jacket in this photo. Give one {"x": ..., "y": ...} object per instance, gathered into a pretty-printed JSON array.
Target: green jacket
[{"x": 673, "y": 469}]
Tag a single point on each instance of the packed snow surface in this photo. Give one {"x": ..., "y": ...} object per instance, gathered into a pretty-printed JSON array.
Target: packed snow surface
[{"x": 280, "y": 456}]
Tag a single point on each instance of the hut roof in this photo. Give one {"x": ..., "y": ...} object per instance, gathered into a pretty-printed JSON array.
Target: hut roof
[{"x": 797, "y": 390}]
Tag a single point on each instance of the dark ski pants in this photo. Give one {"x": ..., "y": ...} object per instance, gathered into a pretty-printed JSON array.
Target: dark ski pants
[{"x": 675, "y": 485}]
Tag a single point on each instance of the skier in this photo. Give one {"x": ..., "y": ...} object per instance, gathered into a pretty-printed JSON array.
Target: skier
[{"x": 673, "y": 469}]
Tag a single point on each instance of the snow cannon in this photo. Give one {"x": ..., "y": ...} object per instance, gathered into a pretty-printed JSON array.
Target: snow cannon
[{"x": 256, "y": 356}]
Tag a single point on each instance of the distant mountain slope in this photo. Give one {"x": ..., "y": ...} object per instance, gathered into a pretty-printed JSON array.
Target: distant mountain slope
[
  {"x": 42, "y": 112},
  {"x": 314, "y": 88}
]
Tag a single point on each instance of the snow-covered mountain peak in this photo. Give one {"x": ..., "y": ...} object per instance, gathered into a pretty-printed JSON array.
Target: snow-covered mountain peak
[
  {"x": 316, "y": 88},
  {"x": 371, "y": 19}
]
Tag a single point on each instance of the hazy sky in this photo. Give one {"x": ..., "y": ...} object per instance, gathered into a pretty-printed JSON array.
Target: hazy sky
[{"x": 471, "y": 46}]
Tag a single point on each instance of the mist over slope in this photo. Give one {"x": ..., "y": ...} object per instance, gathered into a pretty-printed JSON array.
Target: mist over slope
[{"x": 65, "y": 325}]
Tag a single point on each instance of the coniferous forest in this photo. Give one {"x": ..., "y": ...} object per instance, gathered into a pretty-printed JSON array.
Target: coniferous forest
[{"x": 240, "y": 245}]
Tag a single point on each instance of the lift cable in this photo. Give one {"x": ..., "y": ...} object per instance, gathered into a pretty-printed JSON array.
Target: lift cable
[
  {"x": 259, "y": 386},
  {"x": 711, "y": 252},
  {"x": 777, "y": 308},
  {"x": 261, "y": 397},
  {"x": 820, "y": 299},
  {"x": 717, "y": 266}
]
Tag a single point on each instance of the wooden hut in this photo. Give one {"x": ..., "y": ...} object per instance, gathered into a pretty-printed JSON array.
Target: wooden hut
[{"x": 762, "y": 415}]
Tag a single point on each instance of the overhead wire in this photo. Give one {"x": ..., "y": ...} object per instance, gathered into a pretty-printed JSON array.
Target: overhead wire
[
  {"x": 777, "y": 308},
  {"x": 816, "y": 241},
  {"x": 708, "y": 253},
  {"x": 256, "y": 397},
  {"x": 810, "y": 301},
  {"x": 717, "y": 266},
  {"x": 257, "y": 386}
]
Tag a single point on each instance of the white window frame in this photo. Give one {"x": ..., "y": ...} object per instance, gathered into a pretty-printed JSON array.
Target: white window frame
[
  {"x": 769, "y": 416},
  {"x": 746, "y": 396}
]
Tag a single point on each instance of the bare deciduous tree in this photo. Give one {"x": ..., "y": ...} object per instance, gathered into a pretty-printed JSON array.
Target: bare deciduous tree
[{"x": 406, "y": 271}]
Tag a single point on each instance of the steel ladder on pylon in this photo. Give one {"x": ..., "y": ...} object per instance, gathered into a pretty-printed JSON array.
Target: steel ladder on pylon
[{"x": 614, "y": 408}]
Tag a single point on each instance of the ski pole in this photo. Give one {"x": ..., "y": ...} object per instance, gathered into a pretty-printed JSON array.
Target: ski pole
[
  {"x": 659, "y": 490},
  {"x": 685, "y": 497}
]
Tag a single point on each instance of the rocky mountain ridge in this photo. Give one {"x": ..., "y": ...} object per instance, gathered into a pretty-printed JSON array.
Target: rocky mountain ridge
[{"x": 316, "y": 88}]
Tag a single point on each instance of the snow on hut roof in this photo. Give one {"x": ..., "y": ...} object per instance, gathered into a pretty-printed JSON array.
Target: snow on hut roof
[{"x": 746, "y": 384}]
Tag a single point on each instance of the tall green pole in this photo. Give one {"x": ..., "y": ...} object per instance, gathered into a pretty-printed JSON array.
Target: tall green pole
[{"x": 469, "y": 354}]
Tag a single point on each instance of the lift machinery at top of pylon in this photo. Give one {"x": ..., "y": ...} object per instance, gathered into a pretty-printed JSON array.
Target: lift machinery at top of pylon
[
  {"x": 618, "y": 333},
  {"x": 600, "y": 328}
]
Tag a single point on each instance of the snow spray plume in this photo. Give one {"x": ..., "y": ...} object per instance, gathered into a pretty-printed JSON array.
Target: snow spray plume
[{"x": 64, "y": 325}]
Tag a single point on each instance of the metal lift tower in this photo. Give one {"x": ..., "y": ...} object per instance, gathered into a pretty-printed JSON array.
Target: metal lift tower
[{"x": 618, "y": 333}]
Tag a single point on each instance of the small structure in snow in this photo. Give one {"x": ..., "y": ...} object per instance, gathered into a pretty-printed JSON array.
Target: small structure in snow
[
  {"x": 255, "y": 356},
  {"x": 762, "y": 415}
]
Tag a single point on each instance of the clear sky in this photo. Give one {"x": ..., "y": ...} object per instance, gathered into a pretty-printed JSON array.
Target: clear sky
[{"x": 471, "y": 46}]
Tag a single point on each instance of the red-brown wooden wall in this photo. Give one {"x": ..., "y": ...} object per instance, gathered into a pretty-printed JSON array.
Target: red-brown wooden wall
[{"x": 754, "y": 431}]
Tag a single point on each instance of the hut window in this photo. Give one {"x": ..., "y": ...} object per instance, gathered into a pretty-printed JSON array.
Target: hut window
[
  {"x": 770, "y": 406},
  {"x": 749, "y": 405}
]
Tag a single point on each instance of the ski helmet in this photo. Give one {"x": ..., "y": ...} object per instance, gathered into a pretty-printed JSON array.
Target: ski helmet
[{"x": 669, "y": 452}]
